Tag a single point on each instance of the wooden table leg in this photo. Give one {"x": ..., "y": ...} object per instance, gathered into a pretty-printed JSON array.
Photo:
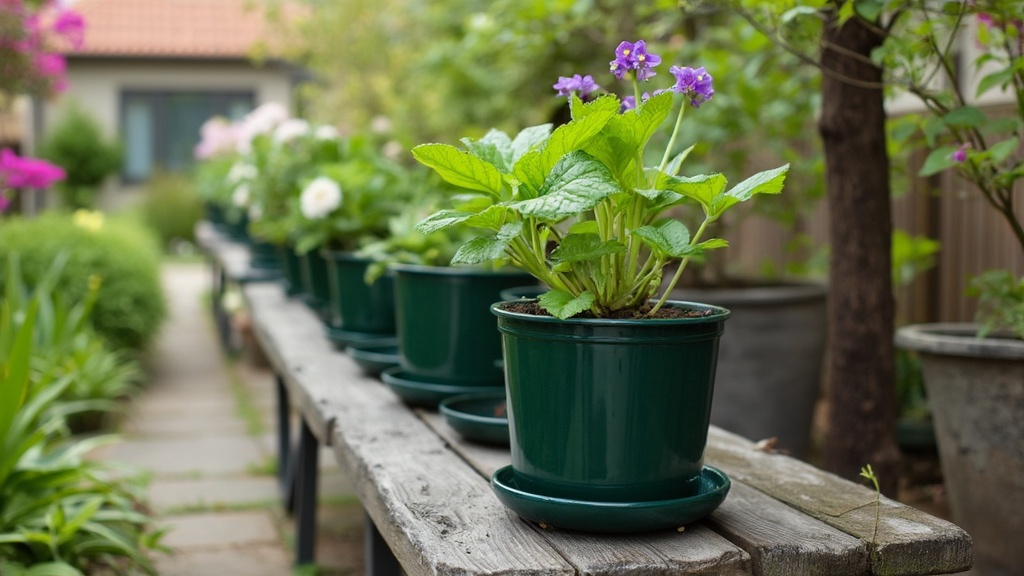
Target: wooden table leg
[{"x": 379, "y": 559}]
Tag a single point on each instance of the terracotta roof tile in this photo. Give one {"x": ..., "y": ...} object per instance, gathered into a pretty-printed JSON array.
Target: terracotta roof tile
[{"x": 170, "y": 28}]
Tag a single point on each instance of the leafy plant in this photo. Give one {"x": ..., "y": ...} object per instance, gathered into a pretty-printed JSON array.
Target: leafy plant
[
  {"x": 1000, "y": 302},
  {"x": 121, "y": 254},
  {"x": 60, "y": 513},
  {"x": 171, "y": 208},
  {"x": 77, "y": 144},
  {"x": 583, "y": 188}
]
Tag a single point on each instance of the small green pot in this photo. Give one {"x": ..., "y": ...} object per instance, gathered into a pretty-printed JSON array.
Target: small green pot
[
  {"x": 315, "y": 284},
  {"x": 605, "y": 410},
  {"x": 355, "y": 305},
  {"x": 445, "y": 333},
  {"x": 291, "y": 269}
]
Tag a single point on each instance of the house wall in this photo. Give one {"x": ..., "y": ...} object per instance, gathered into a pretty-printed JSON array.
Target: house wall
[{"x": 96, "y": 85}]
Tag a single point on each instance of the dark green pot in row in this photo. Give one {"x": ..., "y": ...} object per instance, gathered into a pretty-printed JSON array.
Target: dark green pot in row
[
  {"x": 291, "y": 270},
  {"x": 607, "y": 410},
  {"x": 263, "y": 255},
  {"x": 316, "y": 288},
  {"x": 356, "y": 307},
  {"x": 445, "y": 334}
]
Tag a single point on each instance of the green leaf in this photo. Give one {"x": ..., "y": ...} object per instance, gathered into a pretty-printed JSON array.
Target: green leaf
[
  {"x": 493, "y": 218},
  {"x": 460, "y": 168},
  {"x": 577, "y": 183},
  {"x": 964, "y": 117},
  {"x": 668, "y": 238},
  {"x": 677, "y": 162},
  {"x": 52, "y": 569},
  {"x": 703, "y": 188},
  {"x": 576, "y": 134},
  {"x": 939, "y": 160},
  {"x": 495, "y": 148},
  {"x": 1002, "y": 150},
  {"x": 868, "y": 9},
  {"x": 530, "y": 172},
  {"x": 584, "y": 227},
  {"x": 15, "y": 370},
  {"x": 71, "y": 527},
  {"x": 442, "y": 219},
  {"x": 766, "y": 182},
  {"x": 585, "y": 247},
  {"x": 563, "y": 305},
  {"x": 528, "y": 139},
  {"x": 479, "y": 250},
  {"x": 1000, "y": 78}
]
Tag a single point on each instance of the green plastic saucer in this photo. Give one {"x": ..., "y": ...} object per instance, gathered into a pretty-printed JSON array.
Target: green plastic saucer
[
  {"x": 416, "y": 392},
  {"x": 611, "y": 517},
  {"x": 343, "y": 338},
  {"x": 374, "y": 356},
  {"x": 478, "y": 417}
]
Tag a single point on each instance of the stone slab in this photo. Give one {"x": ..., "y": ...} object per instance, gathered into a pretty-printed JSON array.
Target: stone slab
[
  {"x": 189, "y": 456},
  {"x": 229, "y": 491},
  {"x": 221, "y": 529},
  {"x": 256, "y": 561}
]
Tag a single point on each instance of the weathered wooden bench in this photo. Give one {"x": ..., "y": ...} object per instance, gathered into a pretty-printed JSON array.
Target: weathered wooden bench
[{"x": 431, "y": 510}]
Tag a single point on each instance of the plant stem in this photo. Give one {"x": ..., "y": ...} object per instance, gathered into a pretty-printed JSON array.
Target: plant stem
[
  {"x": 679, "y": 270},
  {"x": 672, "y": 140}
]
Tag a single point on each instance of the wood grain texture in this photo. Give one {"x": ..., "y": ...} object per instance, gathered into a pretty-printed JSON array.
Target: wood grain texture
[
  {"x": 438, "y": 515},
  {"x": 427, "y": 490},
  {"x": 908, "y": 541}
]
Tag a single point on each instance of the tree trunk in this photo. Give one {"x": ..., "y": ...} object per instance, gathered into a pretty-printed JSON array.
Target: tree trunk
[{"x": 860, "y": 373}]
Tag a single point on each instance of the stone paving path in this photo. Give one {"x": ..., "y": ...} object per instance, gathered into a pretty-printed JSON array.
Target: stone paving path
[{"x": 204, "y": 428}]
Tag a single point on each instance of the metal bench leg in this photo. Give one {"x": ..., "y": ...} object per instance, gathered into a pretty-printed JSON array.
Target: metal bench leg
[
  {"x": 379, "y": 559},
  {"x": 306, "y": 496},
  {"x": 285, "y": 458}
]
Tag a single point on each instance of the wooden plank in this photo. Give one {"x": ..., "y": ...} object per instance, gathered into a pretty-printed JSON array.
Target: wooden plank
[
  {"x": 779, "y": 539},
  {"x": 908, "y": 541},
  {"x": 407, "y": 479},
  {"x": 783, "y": 541}
]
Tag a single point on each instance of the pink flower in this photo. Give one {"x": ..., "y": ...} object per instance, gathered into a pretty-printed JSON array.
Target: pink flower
[
  {"x": 4, "y": 203},
  {"x": 70, "y": 25},
  {"x": 18, "y": 172}
]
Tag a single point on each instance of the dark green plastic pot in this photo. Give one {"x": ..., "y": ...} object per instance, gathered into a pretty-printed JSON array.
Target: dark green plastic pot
[
  {"x": 610, "y": 410},
  {"x": 315, "y": 284},
  {"x": 263, "y": 255},
  {"x": 291, "y": 269},
  {"x": 355, "y": 305},
  {"x": 445, "y": 332}
]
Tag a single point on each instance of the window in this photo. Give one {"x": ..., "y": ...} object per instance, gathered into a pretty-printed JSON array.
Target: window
[{"x": 160, "y": 129}]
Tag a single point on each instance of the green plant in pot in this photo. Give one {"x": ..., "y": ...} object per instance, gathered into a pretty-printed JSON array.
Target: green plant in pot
[
  {"x": 973, "y": 124},
  {"x": 609, "y": 383},
  {"x": 344, "y": 205}
]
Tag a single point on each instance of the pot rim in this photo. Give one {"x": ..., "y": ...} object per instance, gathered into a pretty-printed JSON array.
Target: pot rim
[
  {"x": 456, "y": 270},
  {"x": 720, "y": 315},
  {"x": 766, "y": 294},
  {"x": 957, "y": 339}
]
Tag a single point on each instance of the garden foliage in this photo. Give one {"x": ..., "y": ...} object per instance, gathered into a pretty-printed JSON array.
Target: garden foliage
[
  {"x": 60, "y": 513},
  {"x": 78, "y": 145},
  {"x": 120, "y": 255}
]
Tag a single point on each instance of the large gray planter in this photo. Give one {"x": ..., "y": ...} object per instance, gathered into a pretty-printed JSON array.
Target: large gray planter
[
  {"x": 975, "y": 390},
  {"x": 770, "y": 360}
]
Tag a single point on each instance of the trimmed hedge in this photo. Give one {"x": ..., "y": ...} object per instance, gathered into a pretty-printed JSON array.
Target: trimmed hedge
[{"x": 123, "y": 255}]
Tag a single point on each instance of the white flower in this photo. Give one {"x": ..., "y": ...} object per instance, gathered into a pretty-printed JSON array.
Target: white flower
[
  {"x": 240, "y": 197},
  {"x": 255, "y": 212},
  {"x": 290, "y": 129},
  {"x": 326, "y": 132},
  {"x": 319, "y": 198},
  {"x": 380, "y": 125},
  {"x": 240, "y": 172},
  {"x": 260, "y": 121}
]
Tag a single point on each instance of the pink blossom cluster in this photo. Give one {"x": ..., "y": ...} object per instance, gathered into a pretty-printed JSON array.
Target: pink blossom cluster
[
  {"x": 28, "y": 59},
  {"x": 22, "y": 172},
  {"x": 218, "y": 136}
]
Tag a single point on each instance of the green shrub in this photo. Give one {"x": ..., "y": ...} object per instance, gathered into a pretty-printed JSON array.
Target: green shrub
[
  {"x": 77, "y": 144},
  {"x": 171, "y": 207},
  {"x": 60, "y": 513},
  {"x": 121, "y": 255}
]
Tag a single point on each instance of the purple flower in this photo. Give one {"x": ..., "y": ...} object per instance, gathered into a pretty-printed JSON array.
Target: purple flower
[
  {"x": 634, "y": 56},
  {"x": 629, "y": 102},
  {"x": 695, "y": 83},
  {"x": 960, "y": 154},
  {"x": 4, "y": 203},
  {"x": 583, "y": 85}
]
